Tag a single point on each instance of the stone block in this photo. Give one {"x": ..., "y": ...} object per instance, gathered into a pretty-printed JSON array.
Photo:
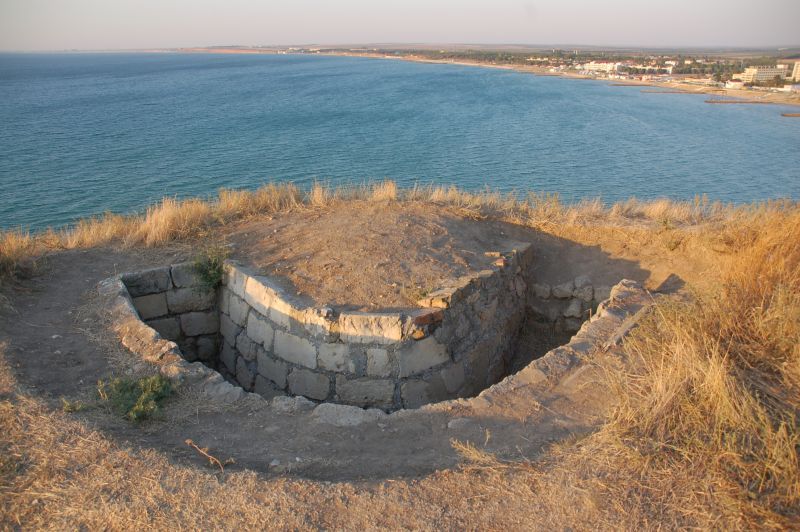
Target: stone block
[
  {"x": 378, "y": 362},
  {"x": 228, "y": 356},
  {"x": 295, "y": 350},
  {"x": 601, "y": 293},
  {"x": 246, "y": 346},
  {"x": 188, "y": 347},
  {"x": 244, "y": 375},
  {"x": 309, "y": 384},
  {"x": 346, "y": 416},
  {"x": 151, "y": 306},
  {"x": 258, "y": 295},
  {"x": 563, "y": 290},
  {"x": 147, "y": 282},
  {"x": 334, "y": 357},
  {"x": 228, "y": 329},
  {"x": 182, "y": 300},
  {"x": 281, "y": 312},
  {"x": 416, "y": 357},
  {"x": 168, "y": 328},
  {"x": 541, "y": 290},
  {"x": 224, "y": 298},
  {"x": 235, "y": 279},
  {"x": 197, "y": 323},
  {"x": 273, "y": 369},
  {"x": 184, "y": 275},
  {"x": 260, "y": 330},
  {"x": 365, "y": 391},
  {"x": 574, "y": 309},
  {"x": 572, "y": 325},
  {"x": 368, "y": 328},
  {"x": 582, "y": 281},
  {"x": 453, "y": 377},
  {"x": 237, "y": 310},
  {"x": 206, "y": 348},
  {"x": 265, "y": 388},
  {"x": 416, "y": 393}
]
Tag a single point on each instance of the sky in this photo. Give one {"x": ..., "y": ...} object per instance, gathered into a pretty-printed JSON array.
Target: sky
[{"x": 39, "y": 25}]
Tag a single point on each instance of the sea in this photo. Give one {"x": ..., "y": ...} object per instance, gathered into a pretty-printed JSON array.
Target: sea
[{"x": 82, "y": 134}]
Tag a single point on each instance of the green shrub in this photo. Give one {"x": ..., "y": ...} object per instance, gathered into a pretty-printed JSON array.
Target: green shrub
[
  {"x": 209, "y": 265},
  {"x": 135, "y": 399}
]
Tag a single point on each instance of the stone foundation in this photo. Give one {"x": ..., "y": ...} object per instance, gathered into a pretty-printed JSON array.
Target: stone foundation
[{"x": 457, "y": 343}]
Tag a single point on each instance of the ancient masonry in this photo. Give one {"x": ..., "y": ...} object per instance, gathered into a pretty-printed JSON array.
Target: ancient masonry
[{"x": 456, "y": 344}]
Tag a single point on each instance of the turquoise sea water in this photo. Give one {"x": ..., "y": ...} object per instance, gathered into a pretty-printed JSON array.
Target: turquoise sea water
[{"x": 84, "y": 133}]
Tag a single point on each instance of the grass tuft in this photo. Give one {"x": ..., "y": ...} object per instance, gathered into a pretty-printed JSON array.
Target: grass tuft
[{"x": 138, "y": 399}]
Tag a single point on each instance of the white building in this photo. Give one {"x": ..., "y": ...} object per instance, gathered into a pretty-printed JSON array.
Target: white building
[
  {"x": 600, "y": 67},
  {"x": 763, "y": 73},
  {"x": 796, "y": 71}
]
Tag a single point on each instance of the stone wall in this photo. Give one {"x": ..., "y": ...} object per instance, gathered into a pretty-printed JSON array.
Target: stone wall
[
  {"x": 173, "y": 301},
  {"x": 459, "y": 343},
  {"x": 567, "y": 305}
]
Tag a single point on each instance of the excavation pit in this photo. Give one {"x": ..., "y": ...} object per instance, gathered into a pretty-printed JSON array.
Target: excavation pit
[{"x": 460, "y": 340}]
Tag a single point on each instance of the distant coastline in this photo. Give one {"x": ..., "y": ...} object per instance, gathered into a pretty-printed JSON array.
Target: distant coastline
[{"x": 674, "y": 87}]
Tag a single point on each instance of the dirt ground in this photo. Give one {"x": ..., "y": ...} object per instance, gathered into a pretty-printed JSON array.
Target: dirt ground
[
  {"x": 364, "y": 255},
  {"x": 55, "y": 341}
]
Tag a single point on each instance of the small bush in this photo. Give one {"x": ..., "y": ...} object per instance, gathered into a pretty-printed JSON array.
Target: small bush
[
  {"x": 210, "y": 266},
  {"x": 137, "y": 399}
]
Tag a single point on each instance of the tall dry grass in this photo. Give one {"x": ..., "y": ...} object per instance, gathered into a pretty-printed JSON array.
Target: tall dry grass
[
  {"x": 706, "y": 429},
  {"x": 173, "y": 219}
]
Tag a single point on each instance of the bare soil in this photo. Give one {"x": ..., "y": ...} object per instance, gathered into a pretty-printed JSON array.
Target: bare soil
[{"x": 365, "y": 255}]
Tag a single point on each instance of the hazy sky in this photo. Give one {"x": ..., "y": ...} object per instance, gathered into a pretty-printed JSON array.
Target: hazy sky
[{"x": 121, "y": 24}]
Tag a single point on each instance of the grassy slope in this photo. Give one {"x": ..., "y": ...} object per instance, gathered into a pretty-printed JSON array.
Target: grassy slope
[{"x": 705, "y": 434}]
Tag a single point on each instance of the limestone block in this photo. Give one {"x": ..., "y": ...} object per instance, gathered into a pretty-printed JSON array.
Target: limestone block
[
  {"x": 244, "y": 375},
  {"x": 246, "y": 346},
  {"x": 367, "y": 328},
  {"x": 334, "y": 357},
  {"x": 584, "y": 293},
  {"x": 290, "y": 405},
  {"x": 197, "y": 323},
  {"x": 453, "y": 377},
  {"x": 206, "y": 348},
  {"x": 416, "y": 393},
  {"x": 168, "y": 328},
  {"x": 378, "y": 362},
  {"x": 188, "y": 347},
  {"x": 601, "y": 293},
  {"x": 416, "y": 357},
  {"x": 265, "y": 388},
  {"x": 346, "y": 416},
  {"x": 281, "y": 312},
  {"x": 541, "y": 290},
  {"x": 295, "y": 350},
  {"x": 564, "y": 290},
  {"x": 183, "y": 300},
  {"x": 224, "y": 297},
  {"x": 228, "y": 356},
  {"x": 258, "y": 295},
  {"x": 235, "y": 279},
  {"x": 151, "y": 306},
  {"x": 185, "y": 275},
  {"x": 146, "y": 282},
  {"x": 238, "y": 309},
  {"x": 365, "y": 391},
  {"x": 273, "y": 369},
  {"x": 228, "y": 329},
  {"x": 309, "y": 384},
  {"x": 574, "y": 309},
  {"x": 260, "y": 330},
  {"x": 572, "y": 325}
]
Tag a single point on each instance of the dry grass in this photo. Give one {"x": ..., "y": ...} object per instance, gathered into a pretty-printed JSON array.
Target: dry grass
[{"x": 705, "y": 434}]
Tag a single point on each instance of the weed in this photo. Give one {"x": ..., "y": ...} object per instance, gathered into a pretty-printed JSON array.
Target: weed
[
  {"x": 70, "y": 407},
  {"x": 136, "y": 399},
  {"x": 210, "y": 266}
]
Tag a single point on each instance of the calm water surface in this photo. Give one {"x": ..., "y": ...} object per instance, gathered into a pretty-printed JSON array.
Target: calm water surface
[{"x": 85, "y": 133}]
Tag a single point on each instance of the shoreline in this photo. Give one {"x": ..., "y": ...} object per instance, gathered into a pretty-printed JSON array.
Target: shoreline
[{"x": 675, "y": 87}]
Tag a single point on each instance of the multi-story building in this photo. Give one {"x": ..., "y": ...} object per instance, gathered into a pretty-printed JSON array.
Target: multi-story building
[
  {"x": 600, "y": 67},
  {"x": 796, "y": 72},
  {"x": 762, "y": 73}
]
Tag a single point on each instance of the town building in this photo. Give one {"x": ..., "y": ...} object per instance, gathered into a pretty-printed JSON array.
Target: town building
[
  {"x": 600, "y": 67},
  {"x": 796, "y": 71},
  {"x": 759, "y": 74}
]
